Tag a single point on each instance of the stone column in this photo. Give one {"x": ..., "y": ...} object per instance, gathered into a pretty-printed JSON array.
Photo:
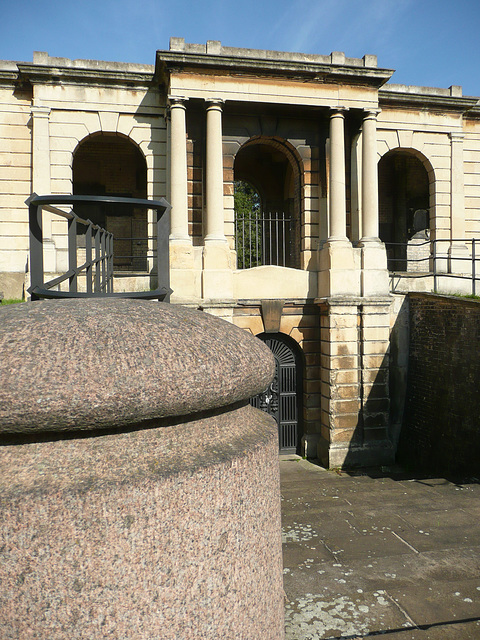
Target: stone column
[
  {"x": 178, "y": 172},
  {"x": 369, "y": 178},
  {"x": 374, "y": 276},
  {"x": 41, "y": 177},
  {"x": 337, "y": 202},
  {"x": 339, "y": 261},
  {"x": 217, "y": 276},
  {"x": 184, "y": 278},
  {"x": 458, "y": 248},
  {"x": 214, "y": 223}
]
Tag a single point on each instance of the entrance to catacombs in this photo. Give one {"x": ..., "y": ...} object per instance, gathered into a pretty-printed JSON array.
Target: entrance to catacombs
[
  {"x": 267, "y": 205},
  {"x": 283, "y": 398},
  {"x": 404, "y": 209},
  {"x": 107, "y": 164}
]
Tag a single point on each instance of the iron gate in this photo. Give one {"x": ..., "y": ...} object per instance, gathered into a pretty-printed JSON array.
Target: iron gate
[{"x": 281, "y": 398}]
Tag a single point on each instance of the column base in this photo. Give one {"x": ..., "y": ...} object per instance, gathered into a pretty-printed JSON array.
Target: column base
[
  {"x": 49, "y": 256},
  {"x": 185, "y": 271},
  {"x": 375, "y": 454},
  {"x": 374, "y": 277},
  {"x": 309, "y": 445},
  {"x": 339, "y": 265},
  {"x": 459, "y": 259},
  {"x": 217, "y": 273}
]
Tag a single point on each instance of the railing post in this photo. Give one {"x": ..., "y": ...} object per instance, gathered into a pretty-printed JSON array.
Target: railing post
[
  {"x": 163, "y": 233},
  {"x": 36, "y": 247},
  {"x": 72, "y": 254},
  {"x": 103, "y": 260},
  {"x": 88, "y": 257},
  {"x": 110, "y": 262},
  {"x": 434, "y": 243},
  {"x": 474, "y": 275},
  {"x": 97, "y": 260}
]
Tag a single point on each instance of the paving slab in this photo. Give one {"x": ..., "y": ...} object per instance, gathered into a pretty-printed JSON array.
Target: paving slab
[{"x": 379, "y": 555}]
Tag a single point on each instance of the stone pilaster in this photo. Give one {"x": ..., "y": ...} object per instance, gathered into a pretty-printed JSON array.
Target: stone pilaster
[
  {"x": 41, "y": 179},
  {"x": 340, "y": 382},
  {"x": 374, "y": 338},
  {"x": 458, "y": 248},
  {"x": 354, "y": 382}
]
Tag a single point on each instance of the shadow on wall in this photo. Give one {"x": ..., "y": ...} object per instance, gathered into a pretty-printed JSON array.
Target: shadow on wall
[
  {"x": 366, "y": 402},
  {"x": 441, "y": 427}
]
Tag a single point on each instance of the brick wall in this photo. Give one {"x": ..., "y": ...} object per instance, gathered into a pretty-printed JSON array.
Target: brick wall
[{"x": 441, "y": 430}]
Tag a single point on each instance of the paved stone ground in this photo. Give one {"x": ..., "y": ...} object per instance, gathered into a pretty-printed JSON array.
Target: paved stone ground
[{"x": 390, "y": 556}]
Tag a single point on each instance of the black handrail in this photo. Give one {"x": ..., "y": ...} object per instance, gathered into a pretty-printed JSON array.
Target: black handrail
[
  {"x": 95, "y": 238},
  {"x": 436, "y": 257}
]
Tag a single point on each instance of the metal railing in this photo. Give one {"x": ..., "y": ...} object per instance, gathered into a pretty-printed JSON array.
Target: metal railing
[
  {"x": 444, "y": 259},
  {"x": 99, "y": 252},
  {"x": 262, "y": 239}
]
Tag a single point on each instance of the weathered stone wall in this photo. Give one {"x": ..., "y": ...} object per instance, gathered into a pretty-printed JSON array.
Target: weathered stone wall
[
  {"x": 441, "y": 429},
  {"x": 15, "y": 187},
  {"x": 301, "y": 321}
]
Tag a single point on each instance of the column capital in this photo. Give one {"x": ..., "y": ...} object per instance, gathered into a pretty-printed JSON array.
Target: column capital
[
  {"x": 338, "y": 111},
  {"x": 456, "y": 136},
  {"x": 39, "y": 111},
  {"x": 214, "y": 103},
  {"x": 371, "y": 114},
  {"x": 177, "y": 101}
]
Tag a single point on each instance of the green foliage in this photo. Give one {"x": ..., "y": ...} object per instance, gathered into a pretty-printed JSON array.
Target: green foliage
[
  {"x": 12, "y": 301},
  {"x": 248, "y": 231}
]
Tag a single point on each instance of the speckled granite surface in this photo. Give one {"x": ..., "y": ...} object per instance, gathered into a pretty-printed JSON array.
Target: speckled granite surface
[
  {"x": 100, "y": 541},
  {"x": 159, "y": 533},
  {"x": 90, "y": 364}
]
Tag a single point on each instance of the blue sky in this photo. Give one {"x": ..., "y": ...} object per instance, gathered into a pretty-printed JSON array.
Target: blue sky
[{"x": 428, "y": 42}]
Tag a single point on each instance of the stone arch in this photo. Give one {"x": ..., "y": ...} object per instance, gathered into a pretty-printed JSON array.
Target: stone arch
[
  {"x": 283, "y": 398},
  {"x": 274, "y": 168},
  {"x": 112, "y": 164},
  {"x": 406, "y": 183}
]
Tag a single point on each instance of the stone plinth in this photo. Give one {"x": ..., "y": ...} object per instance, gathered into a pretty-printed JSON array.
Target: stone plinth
[{"x": 167, "y": 526}]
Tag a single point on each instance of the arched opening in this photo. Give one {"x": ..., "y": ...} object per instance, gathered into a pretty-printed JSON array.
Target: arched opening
[
  {"x": 267, "y": 226},
  {"x": 107, "y": 164},
  {"x": 404, "y": 210},
  {"x": 283, "y": 398}
]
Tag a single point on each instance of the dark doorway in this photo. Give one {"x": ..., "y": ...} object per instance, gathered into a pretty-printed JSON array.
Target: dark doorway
[
  {"x": 282, "y": 399},
  {"x": 404, "y": 203},
  {"x": 268, "y": 231},
  {"x": 107, "y": 164}
]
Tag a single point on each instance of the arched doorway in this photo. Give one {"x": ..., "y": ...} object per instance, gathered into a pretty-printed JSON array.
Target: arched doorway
[
  {"x": 270, "y": 233},
  {"x": 108, "y": 164},
  {"x": 405, "y": 206},
  {"x": 283, "y": 398}
]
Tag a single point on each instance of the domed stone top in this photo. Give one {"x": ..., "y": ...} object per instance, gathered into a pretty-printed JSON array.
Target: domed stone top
[{"x": 105, "y": 363}]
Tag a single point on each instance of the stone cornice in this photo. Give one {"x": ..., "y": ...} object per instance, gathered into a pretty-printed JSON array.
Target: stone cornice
[
  {"x": 57, "y": 74},
  {"x": 425, "y": 97},
  {"x": 170, "y": 61}
]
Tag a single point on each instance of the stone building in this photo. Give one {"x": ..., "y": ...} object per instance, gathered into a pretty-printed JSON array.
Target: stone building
[{"x": 352, "y": 175}]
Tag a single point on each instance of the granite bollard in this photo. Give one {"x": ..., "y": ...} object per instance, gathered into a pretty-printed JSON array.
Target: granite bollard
[{"x": 139, "y": 490}]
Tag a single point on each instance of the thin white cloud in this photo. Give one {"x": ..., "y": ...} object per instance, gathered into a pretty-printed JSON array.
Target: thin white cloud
[{"x": 349, "y": 25}]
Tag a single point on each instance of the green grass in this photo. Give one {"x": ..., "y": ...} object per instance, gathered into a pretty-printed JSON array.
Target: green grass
[
  {"x": 11, "y": 301},
  {"x": 466, "y": 295}
]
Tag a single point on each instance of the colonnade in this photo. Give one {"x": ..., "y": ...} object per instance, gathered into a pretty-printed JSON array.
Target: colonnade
[
  {"x": 214, "y": 219},
  {"x": 337, "y": 186}
]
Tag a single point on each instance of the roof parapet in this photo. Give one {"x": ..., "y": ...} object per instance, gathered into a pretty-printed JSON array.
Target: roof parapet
[{"x": 215, "y": 48}]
